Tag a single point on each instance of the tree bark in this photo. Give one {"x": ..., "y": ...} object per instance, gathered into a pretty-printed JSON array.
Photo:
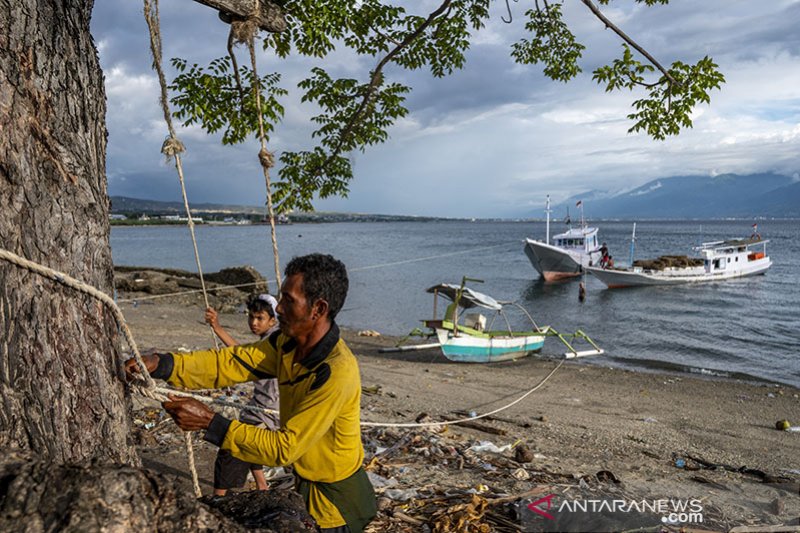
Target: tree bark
[
  {"x": 61, "y": 384},
  {"x": 36, "y": 496}
]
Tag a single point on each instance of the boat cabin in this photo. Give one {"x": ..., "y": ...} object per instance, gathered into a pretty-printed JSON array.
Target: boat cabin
[
  {"x": 720, "y": 256},
  {"x": 581, "y": 239}
]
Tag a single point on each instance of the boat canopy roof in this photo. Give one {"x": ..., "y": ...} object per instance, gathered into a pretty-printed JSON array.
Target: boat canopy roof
[
  {"x": 576, "y": 233},
  {"x": 731, "y": 243},
  {"x": 469, "y": 298}
]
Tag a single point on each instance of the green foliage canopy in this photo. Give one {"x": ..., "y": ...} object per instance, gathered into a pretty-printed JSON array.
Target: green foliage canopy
[{"x": 353, "y": 114}]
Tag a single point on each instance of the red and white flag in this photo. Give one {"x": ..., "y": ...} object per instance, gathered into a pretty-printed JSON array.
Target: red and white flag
[{"x": 755, "y": 227}]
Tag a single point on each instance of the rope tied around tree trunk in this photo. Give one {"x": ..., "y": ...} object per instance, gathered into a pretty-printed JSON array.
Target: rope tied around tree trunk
[{"x": 147, "y": 386}]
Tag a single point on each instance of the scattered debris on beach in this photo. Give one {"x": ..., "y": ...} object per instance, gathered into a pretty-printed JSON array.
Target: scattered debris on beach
[{"x": 445, "y": 479}]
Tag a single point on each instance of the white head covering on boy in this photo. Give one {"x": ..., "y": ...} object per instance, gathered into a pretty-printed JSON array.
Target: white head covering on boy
[{"x": 273, "y": 303}]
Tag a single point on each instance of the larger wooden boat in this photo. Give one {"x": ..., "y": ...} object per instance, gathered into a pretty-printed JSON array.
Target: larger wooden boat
[
  {"x": 717, "y": 261},
  {"x": 568, "y": 253}
]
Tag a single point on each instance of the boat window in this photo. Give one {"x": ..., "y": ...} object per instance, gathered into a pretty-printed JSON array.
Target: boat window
[{"x": 579, "y": 242}]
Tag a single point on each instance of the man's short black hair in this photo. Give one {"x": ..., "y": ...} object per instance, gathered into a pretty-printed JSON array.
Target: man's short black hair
[{"x": 324, "y": 278}]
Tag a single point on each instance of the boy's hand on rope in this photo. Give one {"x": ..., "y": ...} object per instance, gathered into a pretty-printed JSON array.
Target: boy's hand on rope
[
  {"x": 132, "y": 370},
  {"x": 211, "y": 318},
  {"x": 188, "y": 413}
]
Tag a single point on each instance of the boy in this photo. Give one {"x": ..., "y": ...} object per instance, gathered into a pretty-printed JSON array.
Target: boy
[{"x": 230, "y": 472}]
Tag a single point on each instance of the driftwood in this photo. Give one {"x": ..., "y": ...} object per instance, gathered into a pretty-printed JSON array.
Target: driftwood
[{"x": 477, "y": 425}]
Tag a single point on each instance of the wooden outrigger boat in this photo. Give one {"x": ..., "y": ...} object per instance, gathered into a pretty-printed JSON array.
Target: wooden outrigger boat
[{"x": 465, "y": 337}]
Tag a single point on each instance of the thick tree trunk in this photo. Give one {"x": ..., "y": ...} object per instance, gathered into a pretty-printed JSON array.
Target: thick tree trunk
[{"x": 60, "y": 375}]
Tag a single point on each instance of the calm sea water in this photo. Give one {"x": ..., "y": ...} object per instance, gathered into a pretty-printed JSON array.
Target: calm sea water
[{"x": 740, "y": 328}]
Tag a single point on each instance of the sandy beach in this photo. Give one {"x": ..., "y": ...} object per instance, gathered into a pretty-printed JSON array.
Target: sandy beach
[{"x": 589, "y": 429}]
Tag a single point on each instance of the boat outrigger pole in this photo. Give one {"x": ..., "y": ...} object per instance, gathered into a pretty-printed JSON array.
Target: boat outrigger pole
[
  {"x": 573, "y": 353},
  {"x": 633, "y": 241}
]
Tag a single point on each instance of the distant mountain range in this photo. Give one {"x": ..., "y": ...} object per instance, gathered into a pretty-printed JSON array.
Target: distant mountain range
[
  {"x": 679, "y": 197},
  {"x": 134, "y": 207},
  {"x": 698, "y": 197},
  {"x": 126, "y": 205}
]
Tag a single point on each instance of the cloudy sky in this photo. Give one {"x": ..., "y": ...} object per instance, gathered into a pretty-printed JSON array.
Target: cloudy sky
[{"x": 491, "y": 140}]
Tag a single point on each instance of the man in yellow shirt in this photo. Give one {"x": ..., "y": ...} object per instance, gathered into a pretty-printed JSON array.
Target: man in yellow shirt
[{"x": 320, "y": 396}]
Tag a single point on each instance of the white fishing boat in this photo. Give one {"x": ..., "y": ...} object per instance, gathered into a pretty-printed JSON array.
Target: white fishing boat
[
  {"x": 719, "y": 260},
  {"x": 568, "y": 254},
  {"x": 466, "y": 338}
]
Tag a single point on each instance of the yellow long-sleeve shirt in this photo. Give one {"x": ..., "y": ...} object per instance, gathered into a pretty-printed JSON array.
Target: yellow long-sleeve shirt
[{"x": 320, "y": 397}]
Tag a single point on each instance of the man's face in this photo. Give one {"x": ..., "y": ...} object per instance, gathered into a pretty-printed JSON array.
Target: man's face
[{"x": 294, "y": 310}]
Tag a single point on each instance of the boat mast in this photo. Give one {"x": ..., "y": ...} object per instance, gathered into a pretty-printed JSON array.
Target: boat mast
[
  {"x": 633, "y": 242},
  {"x": 547, "y": 210}
]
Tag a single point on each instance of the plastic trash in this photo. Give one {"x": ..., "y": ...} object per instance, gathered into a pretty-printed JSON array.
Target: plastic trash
[
  {"x": 680, "y": 463},
  {"x": 401, "y": 495},
  {"x": 521, "y": 474},
  {"x": 380, "y": 482},
  {"x": 487, "y": 446}
]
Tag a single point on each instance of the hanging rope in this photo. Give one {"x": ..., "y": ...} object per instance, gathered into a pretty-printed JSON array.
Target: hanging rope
[
  {"x": 173, "y": 148},
  {"x": 245, "y": 31}
]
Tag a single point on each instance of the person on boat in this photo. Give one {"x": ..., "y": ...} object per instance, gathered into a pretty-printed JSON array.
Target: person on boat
[
  {"x": 609, "y": 262},
  {"x": 230, "y": 472},
  {"x": 320, "y": 396}
]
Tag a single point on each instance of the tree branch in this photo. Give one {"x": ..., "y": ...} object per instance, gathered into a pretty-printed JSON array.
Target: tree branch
[
  {"x": 594, "y": 9},
  {"x": 375, "y": 80},
  {"x": 271, "y": 16}
]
